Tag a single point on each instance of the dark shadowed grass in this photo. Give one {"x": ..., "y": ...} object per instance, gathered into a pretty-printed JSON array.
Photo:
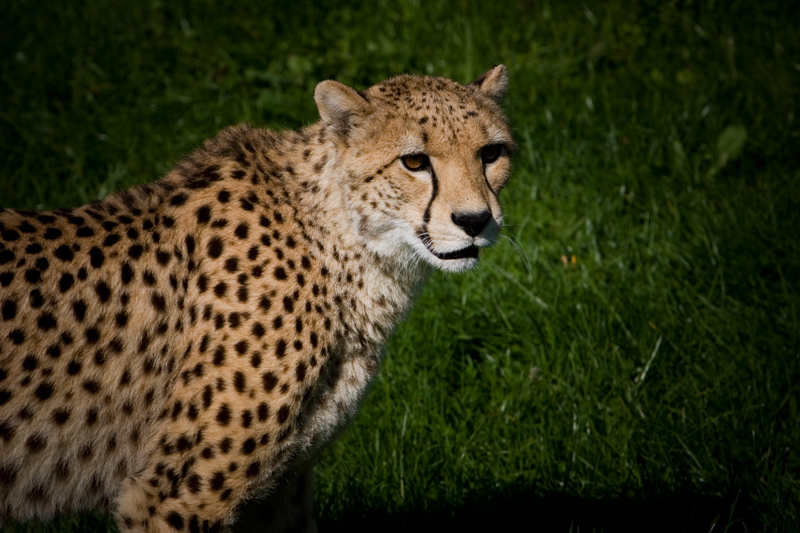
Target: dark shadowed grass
[{"x": 626, "y": 358}]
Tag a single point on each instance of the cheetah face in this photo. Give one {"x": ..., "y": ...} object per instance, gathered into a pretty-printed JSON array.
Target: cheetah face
[{"x": 425, "y": 159}]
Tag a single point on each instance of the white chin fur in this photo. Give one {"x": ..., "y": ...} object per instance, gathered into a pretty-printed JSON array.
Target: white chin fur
[{"x": 451, "y": 265}]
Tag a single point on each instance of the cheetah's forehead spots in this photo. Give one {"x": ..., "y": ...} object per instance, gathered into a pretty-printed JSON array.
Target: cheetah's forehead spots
[{"x": 434, "y": 114}]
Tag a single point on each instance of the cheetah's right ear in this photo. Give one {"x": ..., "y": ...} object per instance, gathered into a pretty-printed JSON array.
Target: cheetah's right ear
[
  {"x": 493, "y": 83},
  {"x": 338, "y": 105}
]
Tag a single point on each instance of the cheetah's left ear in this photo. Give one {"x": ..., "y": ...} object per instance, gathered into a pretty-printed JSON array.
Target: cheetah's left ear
[
  {"x": 493, "y": 83},
  {"x": 339, "y": 105}
]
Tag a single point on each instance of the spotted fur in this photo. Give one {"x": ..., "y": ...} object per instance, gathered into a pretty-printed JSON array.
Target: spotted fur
[{"x": 178, "y": 349}]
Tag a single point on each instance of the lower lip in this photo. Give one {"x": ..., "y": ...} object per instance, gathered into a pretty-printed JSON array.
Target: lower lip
[{"x": 464, "y": 253}]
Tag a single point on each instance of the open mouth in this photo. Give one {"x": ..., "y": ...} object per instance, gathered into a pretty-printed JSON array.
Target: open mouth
[{"x": 469, "y": 251}]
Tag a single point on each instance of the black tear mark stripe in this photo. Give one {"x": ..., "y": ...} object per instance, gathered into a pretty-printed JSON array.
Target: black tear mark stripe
[{"x": 435, "y": 183}]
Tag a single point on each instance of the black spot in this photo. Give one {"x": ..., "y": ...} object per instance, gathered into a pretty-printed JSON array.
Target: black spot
[
  {"x": 258, "y": 330},
  {"x": 193, "y": 483},
  {"x": 242, "y": 294},
  {"x": 215, "y": 247},
  {"x": 36, "y": 443},
  {"x": 175, "y": 520},
  {"x": 6, "y": 433},
  {"x": 159, "y": 303},
  {"x": 300, "y": 371},
  {"x": 288, "y": 304},
  {"x": 248, "y": 446},
  {"x": 127, "y": 273},
  {"x": 30, "y": 363},
  {"x": 283, "y": 414},
  {"x": 54, "y": 351},
  {"x": 33, "y": 276},
  {"x": 44, "y": 391},
  {"x": 223, "y": 196},
  {"x": 239, "y": 382},
  {"x": 85, "y": 231},
  {"x": 263, "y": 412},
  {"x": 280, "y": 273},
  {"x": 52, "y": 234},
  {"x": 204, "y": 214},
  {"x": 16, "y": 336},
  {"x": 163, "y": 257},
  {"x": 280, "y": 349},
  {"x": 79, "y": 310},
  {"x": 73, "y": 368},
  {"x": 6, "y": 278},
  {"x": 47, "y": 322},
  {"x": 63, "y": 253},
  {"x": 220, "y": 289},
  {"x": 111, "y": 239},
  {"x": 92, "y": 335},
  {"x": 246, "y": 204},
  {"x": 217, "y": 481},
  {"x": 135, "y": 251},
  {"x": 219, "y": 356},
  {"x": 26, "y": 227},
  {"x": 103, "y": 292},
  {"x": 91, "y": 386},
  {"x": 179, "y": 199},
  {"x": 66, "y": 282},
  {"x": 61, "y": 415},
  {"x": 247, "y": 419},
  {"x": 270, "y": 381},
  {"x": 9, "y": 309},
  {"x": 10, "y": 235},
  {"x": 6, "y": 256},
  {"x": 36, "y": 298},
  {"x": 208, "y": 396},
  {"x": 242, "y": 230},
  {"x": 231, "y": 264},
  {"x": 149, "y": 278}
]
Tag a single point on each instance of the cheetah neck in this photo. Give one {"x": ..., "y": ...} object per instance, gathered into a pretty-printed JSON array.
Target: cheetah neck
[{"x": 376, "y": 288}]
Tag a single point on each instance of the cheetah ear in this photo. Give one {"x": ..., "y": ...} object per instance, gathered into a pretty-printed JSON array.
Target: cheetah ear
[
  {"x": 338, "y": 105},
  {"x": 493, "y": 83}
]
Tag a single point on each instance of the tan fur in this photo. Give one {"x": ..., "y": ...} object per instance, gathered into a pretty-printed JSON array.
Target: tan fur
[{"x": 178, "y": 349}]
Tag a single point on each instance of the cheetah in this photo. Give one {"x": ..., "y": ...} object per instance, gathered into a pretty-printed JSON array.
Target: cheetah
[{"x": 179, "y": 349}]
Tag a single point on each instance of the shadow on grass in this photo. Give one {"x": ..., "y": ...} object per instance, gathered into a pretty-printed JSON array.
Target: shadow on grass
[{"x": 523, "y": 509}]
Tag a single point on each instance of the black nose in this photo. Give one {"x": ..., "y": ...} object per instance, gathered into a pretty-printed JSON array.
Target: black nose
[{"x": 472, "y": 223}]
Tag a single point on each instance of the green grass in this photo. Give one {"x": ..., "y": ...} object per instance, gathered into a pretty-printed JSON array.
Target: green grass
[{"x": 651, "y": 383}]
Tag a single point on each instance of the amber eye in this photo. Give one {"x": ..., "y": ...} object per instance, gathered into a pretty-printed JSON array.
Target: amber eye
[
  {"x": 416, "y": 162},
  {"x": 490, "y": 154}
]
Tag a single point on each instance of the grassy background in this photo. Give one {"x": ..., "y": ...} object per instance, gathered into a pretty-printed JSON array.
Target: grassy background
[{"x": 627, "y": 359}]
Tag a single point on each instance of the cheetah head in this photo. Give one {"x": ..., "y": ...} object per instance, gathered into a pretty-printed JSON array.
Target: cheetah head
[{"x": 421, "y": 161}]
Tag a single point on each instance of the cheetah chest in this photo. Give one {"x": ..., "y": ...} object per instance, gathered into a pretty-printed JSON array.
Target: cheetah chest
[{"x": 335, "y": 399}]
